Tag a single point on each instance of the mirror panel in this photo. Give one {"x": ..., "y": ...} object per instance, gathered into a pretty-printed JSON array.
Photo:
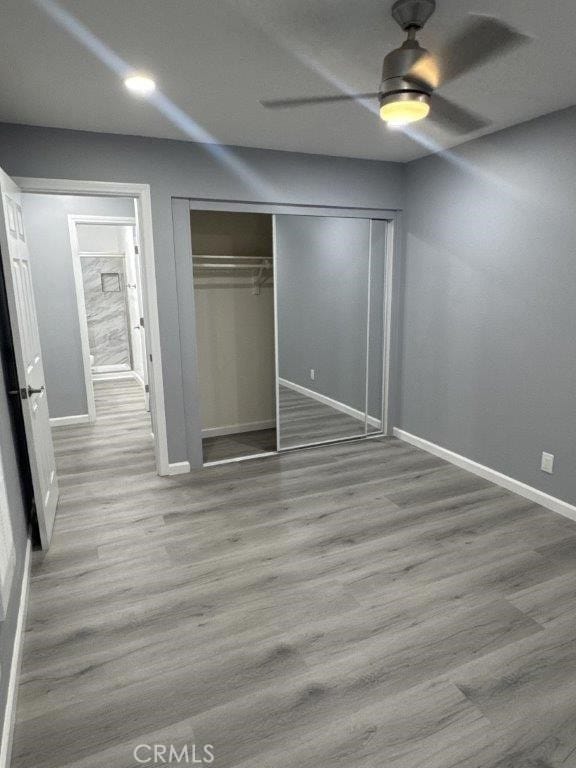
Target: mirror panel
[{"x": 322, "y": 269}]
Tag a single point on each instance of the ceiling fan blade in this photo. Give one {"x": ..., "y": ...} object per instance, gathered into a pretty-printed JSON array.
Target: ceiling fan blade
[
  {"x": 457, "y": 119},
  {"x": 425, "y": 70},
  {"x": 484, "y": 38},
  {"x": 311, "y": 100}
]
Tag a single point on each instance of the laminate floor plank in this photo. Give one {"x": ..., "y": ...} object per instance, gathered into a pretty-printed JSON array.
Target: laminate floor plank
[{"x": 362, "y": 604}]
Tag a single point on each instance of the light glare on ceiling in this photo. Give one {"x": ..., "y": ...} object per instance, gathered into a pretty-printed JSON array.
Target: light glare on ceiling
[{"x": 140, "y": 85}]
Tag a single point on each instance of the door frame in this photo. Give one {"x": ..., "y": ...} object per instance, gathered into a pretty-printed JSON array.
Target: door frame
[
  {"x": 141, "y": 193},
  {"x": 73, "y": 220}
]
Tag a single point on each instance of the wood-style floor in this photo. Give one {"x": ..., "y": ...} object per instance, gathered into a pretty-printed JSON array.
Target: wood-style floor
[{"x": 360, "y": 605}]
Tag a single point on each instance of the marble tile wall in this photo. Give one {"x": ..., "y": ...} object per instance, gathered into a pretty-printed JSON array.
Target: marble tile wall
[{"x": 106, "y": 312}]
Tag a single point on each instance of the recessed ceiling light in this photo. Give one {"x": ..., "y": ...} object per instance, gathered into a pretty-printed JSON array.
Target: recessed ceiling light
[{"x": 140, "y": 85}]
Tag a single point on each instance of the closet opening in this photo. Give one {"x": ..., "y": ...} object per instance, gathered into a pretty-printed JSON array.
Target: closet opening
[
  {"x": 88, "y": 282},
  {"x": 233, "y": 268}
]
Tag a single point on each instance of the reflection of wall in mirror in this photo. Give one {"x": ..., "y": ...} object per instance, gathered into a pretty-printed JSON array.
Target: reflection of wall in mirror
[{"x": 322, "y": 267}]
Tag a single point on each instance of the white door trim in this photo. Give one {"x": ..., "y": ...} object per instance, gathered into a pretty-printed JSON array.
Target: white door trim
[
  {"x": 141, "y": 192},
  {"x": 73, "y": 220}
]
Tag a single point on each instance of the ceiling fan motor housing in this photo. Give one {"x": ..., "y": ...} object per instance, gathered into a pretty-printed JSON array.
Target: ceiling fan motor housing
[
  {"x": 399, "y": 83},
  {"x": 396, "y": 81}
]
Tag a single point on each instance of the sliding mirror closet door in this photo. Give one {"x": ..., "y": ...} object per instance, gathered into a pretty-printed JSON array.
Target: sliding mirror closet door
[{"x": 322, "y": 290}]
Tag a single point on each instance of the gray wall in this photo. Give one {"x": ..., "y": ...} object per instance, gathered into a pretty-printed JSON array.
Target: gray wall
[
  {"x": 46, "y": 219},
  {"x": 183, "y": 169},
  {"x": 19, "y": 525},
  {"x": 489, "y": 321}
]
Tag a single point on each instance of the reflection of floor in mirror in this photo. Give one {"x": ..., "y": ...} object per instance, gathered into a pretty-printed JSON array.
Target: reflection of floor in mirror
[
  {"x": 235, "y": 446},
  {"x": 304, "y": 420}
]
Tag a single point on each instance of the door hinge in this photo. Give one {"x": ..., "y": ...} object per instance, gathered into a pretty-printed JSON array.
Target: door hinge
[
  {"x": 150, "y": 356},
  {"x": 136, "y": 249},
  {"x": 142, "y": 322},
  {"x": 147, "y": 388}
]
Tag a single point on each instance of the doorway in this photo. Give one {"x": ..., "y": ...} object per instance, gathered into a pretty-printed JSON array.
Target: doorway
[
  {"x": 109, "y": 293},
  {"x": 30, "y": 353},
  {"x": 121, "y": 237}
]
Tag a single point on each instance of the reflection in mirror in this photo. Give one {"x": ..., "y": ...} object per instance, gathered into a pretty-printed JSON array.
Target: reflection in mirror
[
  {"x": 376, "y": 309},
  {"x": 322, "y": 266}
]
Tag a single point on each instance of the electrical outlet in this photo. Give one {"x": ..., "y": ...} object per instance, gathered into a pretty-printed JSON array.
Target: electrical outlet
[
  {"x": 313, "y": 373},
  {"x": 547, "y": 464}
]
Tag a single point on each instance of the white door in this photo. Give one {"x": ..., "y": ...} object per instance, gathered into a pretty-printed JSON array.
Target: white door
[{"x": 16, "y": 263}]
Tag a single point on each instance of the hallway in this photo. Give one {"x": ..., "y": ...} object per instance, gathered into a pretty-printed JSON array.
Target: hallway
[
  {"x": 360, "y": 604},
  {"x": 120, "y": 439}
]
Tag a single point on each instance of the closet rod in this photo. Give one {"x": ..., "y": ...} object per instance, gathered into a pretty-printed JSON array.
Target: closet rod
[
  {"x": 233, "y": 266},
  {"x": 232, "y": 257}
]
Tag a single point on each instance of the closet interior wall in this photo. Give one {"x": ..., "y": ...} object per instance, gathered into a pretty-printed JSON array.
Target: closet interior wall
[{"x": 234, "y": 307}]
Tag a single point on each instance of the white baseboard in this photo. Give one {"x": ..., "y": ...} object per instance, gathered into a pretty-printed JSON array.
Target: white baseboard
[
  {"x": 67, "y": 421},
  {"x": 325, "y": 400},
  {"x": 179, "y": 468},
  {"x": 516, "y": 486},
  {"x": 11, "y": 700},
  {"x": 236, "y": 429}
]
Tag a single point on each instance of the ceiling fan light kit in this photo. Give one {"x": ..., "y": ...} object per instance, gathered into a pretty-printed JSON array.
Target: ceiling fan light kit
[{"x": 398, "y": 109}]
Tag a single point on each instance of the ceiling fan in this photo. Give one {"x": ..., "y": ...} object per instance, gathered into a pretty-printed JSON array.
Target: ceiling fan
[{"x": 411, "y": 75}]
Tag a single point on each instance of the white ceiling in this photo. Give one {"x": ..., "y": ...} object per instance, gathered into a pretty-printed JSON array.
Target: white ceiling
[{"x": 215, "y": 59}]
